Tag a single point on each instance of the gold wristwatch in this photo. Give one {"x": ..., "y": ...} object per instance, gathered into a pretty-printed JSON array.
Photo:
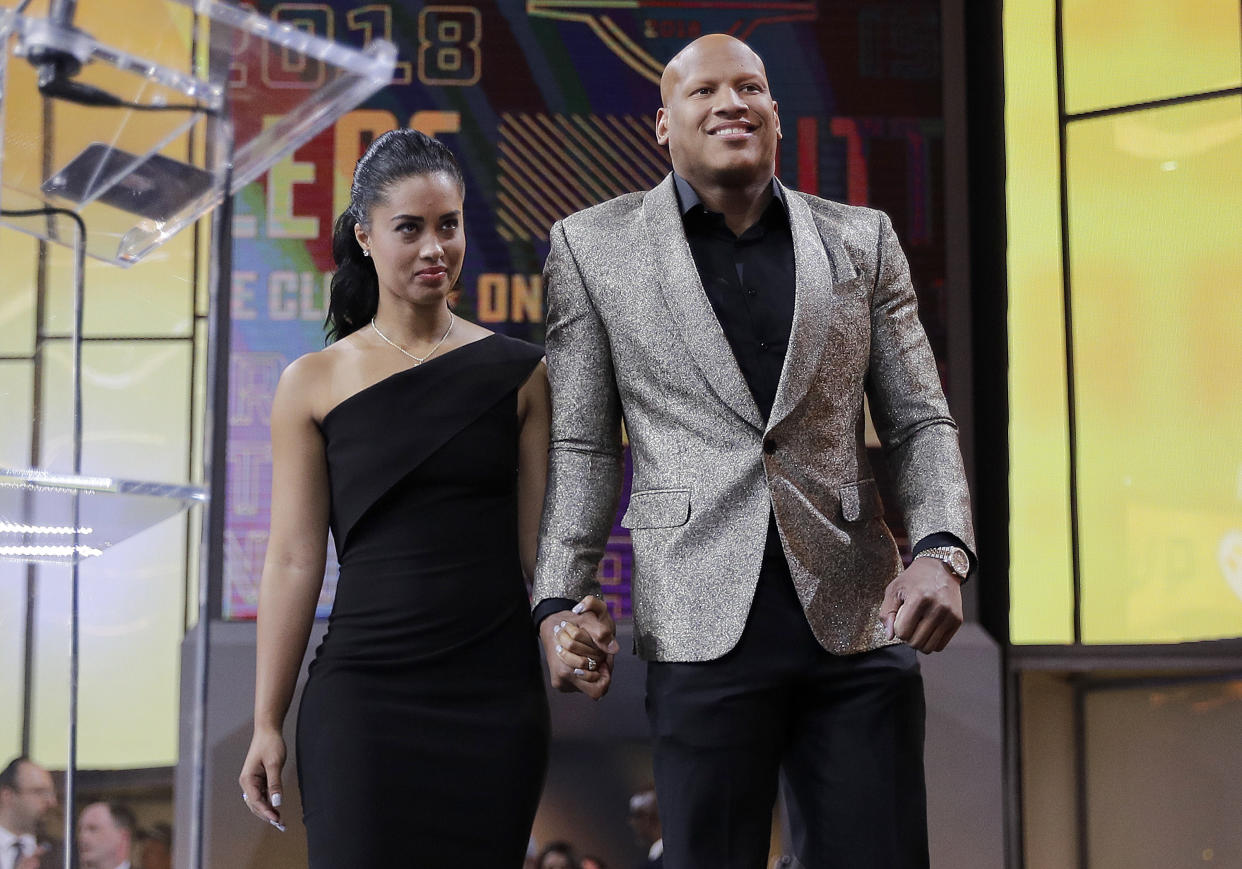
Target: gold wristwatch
[{"x": 955, "y": 557}]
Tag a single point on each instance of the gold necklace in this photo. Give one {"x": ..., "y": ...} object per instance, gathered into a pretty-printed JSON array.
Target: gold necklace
[{"x": 417, "y": 360}]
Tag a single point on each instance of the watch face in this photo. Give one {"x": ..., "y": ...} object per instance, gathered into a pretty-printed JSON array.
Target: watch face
[{"x": 960, "y": 562}]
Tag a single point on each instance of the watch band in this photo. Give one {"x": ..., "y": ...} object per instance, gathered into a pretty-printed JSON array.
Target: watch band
[{"x": 953, "y": 556}]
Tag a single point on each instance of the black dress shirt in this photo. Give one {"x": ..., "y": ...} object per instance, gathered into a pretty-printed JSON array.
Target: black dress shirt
[{"x": 749, "y": 280}]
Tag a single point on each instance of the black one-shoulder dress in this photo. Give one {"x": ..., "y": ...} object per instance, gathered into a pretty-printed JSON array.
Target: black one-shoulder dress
[{"x": 422, "y": 736}]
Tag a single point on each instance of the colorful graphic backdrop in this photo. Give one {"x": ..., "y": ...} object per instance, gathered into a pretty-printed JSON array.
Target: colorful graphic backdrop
[{"x": 550, "y": 107}]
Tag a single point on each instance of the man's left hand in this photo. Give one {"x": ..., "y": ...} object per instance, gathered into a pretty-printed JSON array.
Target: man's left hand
[{"x": 923, "y": 605}]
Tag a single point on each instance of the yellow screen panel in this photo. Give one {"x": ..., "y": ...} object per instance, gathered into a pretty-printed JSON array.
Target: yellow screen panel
[
  {"x": 1121, "y": 53},
  {"x": 1041, "y": 571},
  {"x": 1155, "y": 240}
]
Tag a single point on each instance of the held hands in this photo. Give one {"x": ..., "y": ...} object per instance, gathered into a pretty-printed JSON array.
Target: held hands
[
  {"x": 923, "y": 605},
  {"x": 579, "y": 646},
  {"x": 260, "y": 775}
]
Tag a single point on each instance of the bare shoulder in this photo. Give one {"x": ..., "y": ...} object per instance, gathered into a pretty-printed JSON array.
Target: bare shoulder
[
  {"x": 470, "y": 332},
  {"x": 308, "y": 381}
]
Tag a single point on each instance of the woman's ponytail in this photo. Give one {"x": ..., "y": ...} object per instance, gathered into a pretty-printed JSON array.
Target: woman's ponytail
[{"x": 354, "y": 295}]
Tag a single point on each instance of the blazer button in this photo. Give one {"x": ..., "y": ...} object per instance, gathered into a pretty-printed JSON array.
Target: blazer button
[{"x": 769, "y": 446}]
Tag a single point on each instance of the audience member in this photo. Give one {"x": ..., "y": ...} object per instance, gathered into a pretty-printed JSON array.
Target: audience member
[
  {"x": 558, "y": 855},
  {"x": 156, "y": 847},
  {"x": 106, "y": 836},
  {"x": 644, "y": 820},
  {"x": 26, "y": 796}
]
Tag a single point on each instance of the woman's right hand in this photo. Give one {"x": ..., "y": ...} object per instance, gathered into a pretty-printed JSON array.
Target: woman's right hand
[{"x": 260, "y": 775}]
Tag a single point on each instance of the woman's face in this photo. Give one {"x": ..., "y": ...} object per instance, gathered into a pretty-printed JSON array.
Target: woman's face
[{"x": 416, "y": 238}]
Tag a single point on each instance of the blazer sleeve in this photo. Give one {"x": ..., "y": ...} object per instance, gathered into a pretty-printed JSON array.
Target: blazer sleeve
[
  {"x": 584, "y": 453},
  {"x": 908, "y": 406}
]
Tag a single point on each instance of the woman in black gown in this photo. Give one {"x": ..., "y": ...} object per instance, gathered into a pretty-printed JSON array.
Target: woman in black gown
[{"x": 420, "y": 440}]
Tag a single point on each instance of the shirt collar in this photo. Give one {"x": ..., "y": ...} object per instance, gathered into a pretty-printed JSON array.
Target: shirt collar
[
  {"x": 689, "y": 199},
  {"x": 7, "y": 838}
]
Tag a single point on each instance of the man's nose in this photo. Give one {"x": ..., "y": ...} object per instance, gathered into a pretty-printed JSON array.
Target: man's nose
[{"x": 729, "y": 100}]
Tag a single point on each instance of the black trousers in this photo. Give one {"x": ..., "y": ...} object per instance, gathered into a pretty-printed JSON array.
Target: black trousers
[{"x": 846, "y": 731}]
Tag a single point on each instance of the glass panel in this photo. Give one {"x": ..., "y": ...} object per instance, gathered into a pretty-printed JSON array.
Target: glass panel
[
  {"x": 1156, "y": 260},
  {"x": 136, "y": 399},
  {"x": 153, "y": 298},
  {"x": 1164, "y": 788},
  {"x": 131, "y": 606},
  {"x": 1041, "y": 587},
  {"x": 17, "y": 294},
  {"x": 1118, "y": 52},
  {"x": 12, "y": 656},
  {"x": 16, "y": 388}
]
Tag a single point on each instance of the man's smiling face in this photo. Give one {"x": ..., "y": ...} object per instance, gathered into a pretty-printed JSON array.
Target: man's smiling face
[{"x": 718, "y": 120}]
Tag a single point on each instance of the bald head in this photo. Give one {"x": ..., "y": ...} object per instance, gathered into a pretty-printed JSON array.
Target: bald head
[{"x": 675, "y": 69}]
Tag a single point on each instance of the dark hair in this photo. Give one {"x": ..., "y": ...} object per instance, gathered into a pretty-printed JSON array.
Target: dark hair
[
  {"x": 558, "y": 847},
  {"x": 122, "y": 815},
  {"x": 8, "y": 776},
  {"x": 393, "y": 156}
]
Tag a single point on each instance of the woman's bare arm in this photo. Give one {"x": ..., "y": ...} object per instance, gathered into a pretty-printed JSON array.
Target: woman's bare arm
[
  {"x": 535, "y": 414},
  {"x": 292, "y": 575}
]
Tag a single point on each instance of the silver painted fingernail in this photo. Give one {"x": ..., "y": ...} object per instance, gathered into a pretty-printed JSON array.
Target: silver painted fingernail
[
  {"x": 276, "y": 800},
  {"x": 578, "y": 672},
  {"x": 278, "y": 825},
  {"x": 577, "y": 610}
]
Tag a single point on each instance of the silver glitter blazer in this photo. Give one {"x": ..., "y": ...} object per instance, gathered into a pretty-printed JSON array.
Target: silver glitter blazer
[{"x": 631, "y": 334}]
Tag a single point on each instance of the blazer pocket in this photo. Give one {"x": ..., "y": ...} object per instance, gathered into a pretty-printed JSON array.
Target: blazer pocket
[
  {"x": 860, "y": 501},
  {"x": 657, "y": 508}
]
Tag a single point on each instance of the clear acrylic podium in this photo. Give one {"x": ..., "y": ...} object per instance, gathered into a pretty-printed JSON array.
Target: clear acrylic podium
[
  {"x": 111, "y": 147},
  {"x": 113, "y": 165},
  {"x": 62, "y": 518}
]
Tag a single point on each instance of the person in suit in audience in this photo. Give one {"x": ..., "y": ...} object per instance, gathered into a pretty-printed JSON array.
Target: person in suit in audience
[
  {"x": 644, "y": 820},
  {"x": 27, "y": 795},
  {"x": 106, "y": 834}
]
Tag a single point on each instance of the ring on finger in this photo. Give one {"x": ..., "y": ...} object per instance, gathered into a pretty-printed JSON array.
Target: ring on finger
[{"x": 592, "y": 664}]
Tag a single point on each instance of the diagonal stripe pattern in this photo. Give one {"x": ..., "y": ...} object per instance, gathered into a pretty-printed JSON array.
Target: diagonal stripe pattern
[{"x": 553, "y": 165}]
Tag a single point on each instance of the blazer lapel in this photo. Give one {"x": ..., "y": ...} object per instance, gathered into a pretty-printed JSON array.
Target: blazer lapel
[
  {"x": 691, "y": 310},
  {"x": 824, "y": 275}
]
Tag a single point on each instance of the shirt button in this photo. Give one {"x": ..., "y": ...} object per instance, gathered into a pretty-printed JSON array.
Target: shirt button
[
  {"x": 750, "y": 291},
  {"x": 769, "y": 446},
  {"x": 763, "y": 345}
]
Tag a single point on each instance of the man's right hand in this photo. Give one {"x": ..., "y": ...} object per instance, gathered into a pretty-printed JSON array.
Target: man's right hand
[{"x": 572, "y": 640}]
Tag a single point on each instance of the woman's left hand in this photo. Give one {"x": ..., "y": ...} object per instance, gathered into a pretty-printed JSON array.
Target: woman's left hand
[{"x": 586, "y": 643}]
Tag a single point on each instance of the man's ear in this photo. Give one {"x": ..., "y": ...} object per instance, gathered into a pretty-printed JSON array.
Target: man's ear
[
  {"x": 776, "y": 115},
  {"x": 661, "y": 126}
]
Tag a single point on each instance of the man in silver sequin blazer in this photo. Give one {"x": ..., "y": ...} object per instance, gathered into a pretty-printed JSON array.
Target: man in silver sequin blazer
[{"x": 735, "y": 326}]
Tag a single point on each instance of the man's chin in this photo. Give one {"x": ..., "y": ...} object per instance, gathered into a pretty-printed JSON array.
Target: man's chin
[{"x": 740, "y": 173}]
